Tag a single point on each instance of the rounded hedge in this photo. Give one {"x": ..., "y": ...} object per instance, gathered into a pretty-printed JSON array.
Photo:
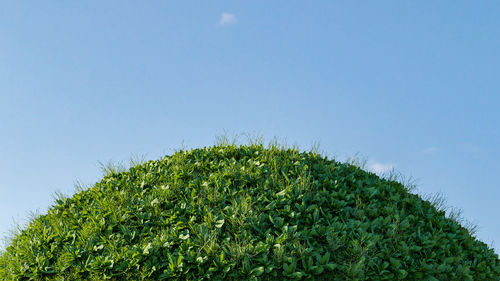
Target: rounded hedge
[{"x": 246, "y": 213}]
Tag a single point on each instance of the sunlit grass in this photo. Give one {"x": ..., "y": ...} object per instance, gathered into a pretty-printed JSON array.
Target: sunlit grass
[{"x": 250, "y": 211}]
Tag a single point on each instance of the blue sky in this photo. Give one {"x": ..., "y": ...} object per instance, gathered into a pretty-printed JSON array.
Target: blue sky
[{"x": 409, "y": 85}]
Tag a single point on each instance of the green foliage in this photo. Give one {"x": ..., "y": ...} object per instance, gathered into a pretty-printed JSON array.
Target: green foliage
[{"x": 245, "y": 213}]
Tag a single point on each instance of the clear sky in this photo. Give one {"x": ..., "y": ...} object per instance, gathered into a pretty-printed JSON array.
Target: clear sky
[{"x": 410, "y": 85}]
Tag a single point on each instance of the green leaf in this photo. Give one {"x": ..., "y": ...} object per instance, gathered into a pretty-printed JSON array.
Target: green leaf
[
  {"x": 330, "y": 266},
  {"x": 297, "y": 275},
  {"x": 394, "y": 262},
  {"x": 325, "y": 258},
  {"x": 155, "y": 202},
  {"x": 402, "y": 273},
  {"x": 147, "y": 248},
  {"x": 180, "y": 258},
  {"x": 219, "y": 223},
  {"x": 258, "y": 271}
]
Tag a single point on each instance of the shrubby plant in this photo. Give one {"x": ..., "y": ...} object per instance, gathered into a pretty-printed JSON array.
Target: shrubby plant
[{"x": 247, "y": 212}]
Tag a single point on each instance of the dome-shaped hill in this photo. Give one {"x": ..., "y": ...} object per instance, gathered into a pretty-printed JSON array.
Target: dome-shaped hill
[{"x": 246, "y": 213}]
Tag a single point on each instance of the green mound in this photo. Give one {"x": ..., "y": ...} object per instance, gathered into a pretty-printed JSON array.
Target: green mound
[{"x": 246, "y": 213}]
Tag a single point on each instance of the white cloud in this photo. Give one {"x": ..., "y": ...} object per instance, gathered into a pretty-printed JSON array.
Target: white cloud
[
  {"x": 431, "y": 149},
  {"x": 227, "y": 18},
  {"x": 380, "y": 168}
]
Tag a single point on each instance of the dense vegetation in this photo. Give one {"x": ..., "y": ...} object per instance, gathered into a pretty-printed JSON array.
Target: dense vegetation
[{"x": 246, "y": 213}]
